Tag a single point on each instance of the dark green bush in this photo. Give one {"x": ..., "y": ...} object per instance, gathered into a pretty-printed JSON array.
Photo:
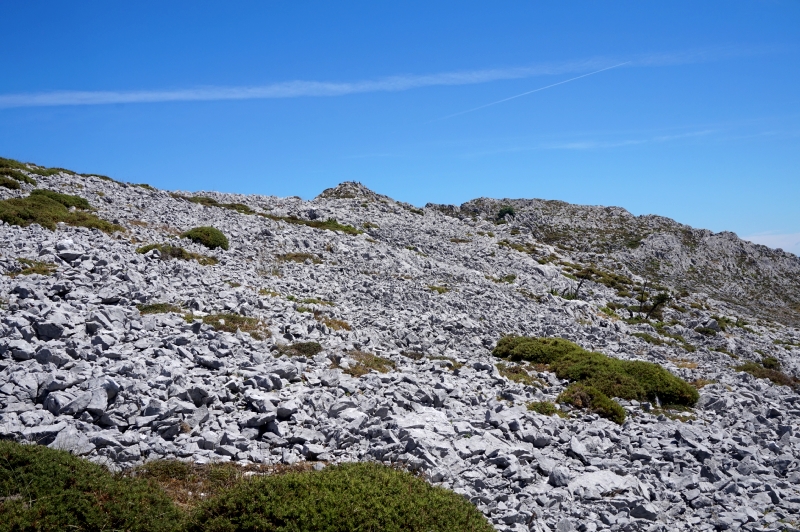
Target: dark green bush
[
  {"x": 42, "y": 489},
  {"x": 17, "y": 175},
  {"x": 777, "y": 377},
  {"x": 536, "y": 350},
  {"x": 9, "y": 183},
  {"x": 210, "y": 237},
  {"x": 66, "y": 200},
  {"x": 504, "y": 211},
  {"x": 590, "y": 398},
  {"x": 345, "y": 498},
  {"x": 610, "y": 376},
  {"x": 46, "y": 211}
]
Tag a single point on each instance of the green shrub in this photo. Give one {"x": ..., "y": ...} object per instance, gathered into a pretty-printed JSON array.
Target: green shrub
[
  {"x": 47, "y": 208},
  {"x": 17, "y": 176},
  {"x": 64, "y": 199},
  {"x": 9, "y": 183},
  {"x": 504, "y": 211},
  {"x": 45, "y": 489},
  {"x": 210, "y": 237},
  {"x": 590, "y": 398},
  {"x": 610, "y": 376},
  {"x": 536, "y": 350},
  {"x": 345, "y": 498},
  {"x": 760, "y": 372}
]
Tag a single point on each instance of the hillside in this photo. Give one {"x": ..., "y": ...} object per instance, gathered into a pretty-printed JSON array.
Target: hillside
[{"x": 353, "y": 327}]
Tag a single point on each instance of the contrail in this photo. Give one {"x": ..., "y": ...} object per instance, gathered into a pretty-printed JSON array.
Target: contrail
[{"x": 529, "y": 92}]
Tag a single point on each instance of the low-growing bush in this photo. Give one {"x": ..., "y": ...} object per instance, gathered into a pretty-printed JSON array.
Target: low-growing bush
[
  {"x": 207, "y": 236},
  {"x": 609, "y": 376},
  {"x": 761, "y": 372},
  {"x": 45, "y": 489},
  {"x": 66, "y": 200},
  {"x": 343, "y": 498},
  {"x": 47, "y": 208},
  {"x": 590, "y": 398},
  {"x": 168, "y": 252},
  {"x": 10, "y": 184},
  {"x": 17, "y": 176}
]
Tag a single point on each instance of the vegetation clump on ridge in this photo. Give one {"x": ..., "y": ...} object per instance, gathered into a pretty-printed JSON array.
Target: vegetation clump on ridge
[
  {"x": 330, "y": 224},
  {"x": 47, "y": 208},
  {"x": 46, "y": 489},
  {"x": 596, "y": 377},
  {"x": 211, "y": 202}
]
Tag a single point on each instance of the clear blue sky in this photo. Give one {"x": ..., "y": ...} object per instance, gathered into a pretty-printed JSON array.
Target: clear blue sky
[{"x": 699, "y": 119}]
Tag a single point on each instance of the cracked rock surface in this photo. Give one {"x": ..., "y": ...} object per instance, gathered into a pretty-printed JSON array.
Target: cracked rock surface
[{"x": 85, "y": 365}]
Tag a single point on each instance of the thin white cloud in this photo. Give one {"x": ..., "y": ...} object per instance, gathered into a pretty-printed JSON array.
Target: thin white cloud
[
  {"x": 594, "y": 144},
  {"x": 787, "y": 242},
  {"x": 297, "y": 89}
]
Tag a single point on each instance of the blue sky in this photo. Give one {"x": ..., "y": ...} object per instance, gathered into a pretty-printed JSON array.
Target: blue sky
[{"x": 686, "y": 109}]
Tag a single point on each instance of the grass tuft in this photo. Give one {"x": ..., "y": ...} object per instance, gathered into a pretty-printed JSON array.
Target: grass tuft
[
  {"x": 32, "y": 267},
  {"x": 159, "y": 308},
  {"x": 235, "y": 322},
  {"x": 366, "y": 362},
  {"x": 298, "y": 257},
  {"x": 301, "y": 349},
  {"x": 546, "y": 408}
]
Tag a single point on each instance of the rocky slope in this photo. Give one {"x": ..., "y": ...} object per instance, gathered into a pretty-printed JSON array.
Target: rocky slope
[
  {"x": 406, "y": 311},
  {"x": 753, "y": 278}
]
